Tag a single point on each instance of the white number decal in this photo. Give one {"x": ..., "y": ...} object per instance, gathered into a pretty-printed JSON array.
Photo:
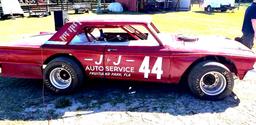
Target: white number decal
[
  {"x": 144, "y": 68},
  {"x": 157, "y": 68}
]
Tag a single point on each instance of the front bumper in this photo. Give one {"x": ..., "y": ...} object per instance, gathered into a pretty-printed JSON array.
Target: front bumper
[{"x": 251, "y": 74}]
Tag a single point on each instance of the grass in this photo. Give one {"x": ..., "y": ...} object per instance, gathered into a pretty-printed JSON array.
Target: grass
[{"x": 193, "y": 22}]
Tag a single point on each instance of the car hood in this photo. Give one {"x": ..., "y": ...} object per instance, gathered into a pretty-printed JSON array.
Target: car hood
[{"x": 207, "y": 44}]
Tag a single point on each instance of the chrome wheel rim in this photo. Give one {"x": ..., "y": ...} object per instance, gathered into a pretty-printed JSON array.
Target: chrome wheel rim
[
  {"x": 213, "y": 83},
  {"x": 60, "y": 78}
]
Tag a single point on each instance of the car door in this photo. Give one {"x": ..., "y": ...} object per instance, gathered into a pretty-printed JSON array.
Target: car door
[
  {"x": 91, "y": 57},
  {"x": 140, "y": 63}
]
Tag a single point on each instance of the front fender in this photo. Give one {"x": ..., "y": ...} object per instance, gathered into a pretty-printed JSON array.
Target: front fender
[{"x": 251, "y": 74}]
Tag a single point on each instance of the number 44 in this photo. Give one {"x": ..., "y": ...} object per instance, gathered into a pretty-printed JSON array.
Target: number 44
[{"x": 157, "y": 68}]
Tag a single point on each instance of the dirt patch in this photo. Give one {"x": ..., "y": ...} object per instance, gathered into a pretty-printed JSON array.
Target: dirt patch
[{"x": 113, "y": 102}]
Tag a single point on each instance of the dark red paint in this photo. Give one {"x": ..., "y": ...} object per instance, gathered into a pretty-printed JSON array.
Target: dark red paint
[{"x": 26, "y": 61}]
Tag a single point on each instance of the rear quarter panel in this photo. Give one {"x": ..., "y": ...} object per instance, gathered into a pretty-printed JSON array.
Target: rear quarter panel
[
  {"x": 21, "y": 62},
  {"x": 180, "y": 63}
]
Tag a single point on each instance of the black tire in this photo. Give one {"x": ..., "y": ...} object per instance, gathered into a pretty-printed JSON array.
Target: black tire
[
  {"x": 76, "y": 11},
  {"x": 223, "y": 9},
  {"x": 71, "y": 71},
  {"x": 203, "y": 77},
  {"x": 3, "y": 17},
  {"x": 208, "y": 9}
]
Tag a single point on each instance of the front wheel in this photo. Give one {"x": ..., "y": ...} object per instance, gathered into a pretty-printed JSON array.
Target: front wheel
[
  {"x": 211, "y": 80},
  {"x": 63, "y": 75}
]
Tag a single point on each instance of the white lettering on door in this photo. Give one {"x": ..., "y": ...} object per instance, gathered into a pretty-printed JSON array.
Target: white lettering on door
[
  {"x": 118, "y": 61},
  {"x": 100, "y": 61}
]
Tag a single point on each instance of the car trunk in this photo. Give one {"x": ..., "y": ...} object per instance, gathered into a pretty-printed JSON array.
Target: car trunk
[{"x": 31, "y": 42}]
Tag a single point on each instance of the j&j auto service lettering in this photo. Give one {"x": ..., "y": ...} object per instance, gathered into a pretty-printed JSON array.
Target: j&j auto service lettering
[{"x": 114, "y": 70}]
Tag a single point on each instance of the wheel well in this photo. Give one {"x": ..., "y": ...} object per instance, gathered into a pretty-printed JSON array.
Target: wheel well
[
  {"x": 63, "y": 55},
  {"x": 229, "y": 64},
  {"x": 209, "y": 6}
]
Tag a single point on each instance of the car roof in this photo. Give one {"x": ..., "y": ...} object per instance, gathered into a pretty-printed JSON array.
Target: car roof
[{"x": 114, "y": 19}]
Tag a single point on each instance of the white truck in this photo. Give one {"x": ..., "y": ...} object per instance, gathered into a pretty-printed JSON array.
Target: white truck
[
  {"x": 222, "y": 5},
  {"x": 10, "y": 7}
]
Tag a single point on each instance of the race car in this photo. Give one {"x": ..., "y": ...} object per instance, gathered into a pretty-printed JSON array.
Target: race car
[{"x": 127, "y": 48}]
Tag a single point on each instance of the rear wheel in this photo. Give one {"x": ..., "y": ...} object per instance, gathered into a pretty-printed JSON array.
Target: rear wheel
[
  {"x": 211, "y": 80},
  {"x": 208, "y": 9},
  {"x": 63, "y": 75}
]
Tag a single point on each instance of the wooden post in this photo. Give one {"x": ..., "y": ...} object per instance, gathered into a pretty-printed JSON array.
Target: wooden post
[{"x": 47, "y": 5}]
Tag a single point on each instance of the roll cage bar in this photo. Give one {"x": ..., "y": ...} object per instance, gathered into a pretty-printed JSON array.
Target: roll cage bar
[{"x": 127, "y": 27}]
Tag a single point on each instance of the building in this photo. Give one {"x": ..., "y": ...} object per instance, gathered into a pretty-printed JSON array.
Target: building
[{"x": 148, "y": 5}]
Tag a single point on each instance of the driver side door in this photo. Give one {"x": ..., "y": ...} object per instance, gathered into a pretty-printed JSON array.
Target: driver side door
[{"x": 140, "y": 63}]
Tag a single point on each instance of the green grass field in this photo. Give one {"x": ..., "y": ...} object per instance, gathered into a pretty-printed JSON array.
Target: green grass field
[{"x": 193, "y": 22}]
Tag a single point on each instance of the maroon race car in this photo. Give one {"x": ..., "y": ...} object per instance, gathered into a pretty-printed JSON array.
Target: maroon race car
[{"x": 134, "y": 49}]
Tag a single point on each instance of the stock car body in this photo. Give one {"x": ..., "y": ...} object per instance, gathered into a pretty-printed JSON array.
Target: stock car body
[{"x": 126, "y": 48}]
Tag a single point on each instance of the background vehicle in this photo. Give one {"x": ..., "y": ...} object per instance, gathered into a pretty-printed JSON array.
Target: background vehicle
[
  {"x": 10, "y": 7},
  {"x": 126, "y": 48},
  {"x": 222, "y": 5}
]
